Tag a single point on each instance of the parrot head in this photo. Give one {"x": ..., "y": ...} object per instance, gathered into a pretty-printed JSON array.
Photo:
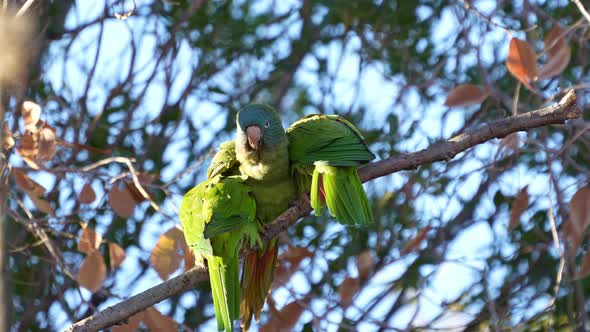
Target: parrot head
[{"x": 259, "y": 128}]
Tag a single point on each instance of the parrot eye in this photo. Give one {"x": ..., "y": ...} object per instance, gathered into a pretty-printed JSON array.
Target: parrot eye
[{"x": 266, "y": 124}]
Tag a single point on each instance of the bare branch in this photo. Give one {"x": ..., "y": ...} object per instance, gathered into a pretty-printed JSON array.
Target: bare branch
[
  {"x": 582, "y": 9},
  {"x": 555, "y": 114}
]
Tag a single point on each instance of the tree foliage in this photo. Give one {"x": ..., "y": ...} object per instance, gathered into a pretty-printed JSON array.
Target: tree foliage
[{"x": 120, "y": 105}]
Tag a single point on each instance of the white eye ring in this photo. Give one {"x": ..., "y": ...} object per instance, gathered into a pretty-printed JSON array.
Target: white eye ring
[{"x": 266, "y": 124}]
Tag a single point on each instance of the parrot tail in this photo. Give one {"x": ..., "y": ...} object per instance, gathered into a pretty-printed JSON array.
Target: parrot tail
[
  {"x": 257, "y": 278},
  {"x": 340, "y": 188},
  {"x": 224, "y": 276}
]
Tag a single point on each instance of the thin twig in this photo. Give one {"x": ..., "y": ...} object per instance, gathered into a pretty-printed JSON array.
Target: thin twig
[
  {"x": 24, "y": 8},
  {"x": 582, "y": 9}
]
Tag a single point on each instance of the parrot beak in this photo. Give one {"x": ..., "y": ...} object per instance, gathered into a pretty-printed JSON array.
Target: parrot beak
[{"x": 254, "y": 134}]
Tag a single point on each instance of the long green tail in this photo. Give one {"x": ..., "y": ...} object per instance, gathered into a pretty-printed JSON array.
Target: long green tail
[
  {"x": 225, "y": 287},
  {"x": 340, "y": 188}
]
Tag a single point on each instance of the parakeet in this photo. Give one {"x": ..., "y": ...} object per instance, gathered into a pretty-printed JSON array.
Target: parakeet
[
  {"x": 264, "y": 169},
  {"x": 218, "y": 216}
]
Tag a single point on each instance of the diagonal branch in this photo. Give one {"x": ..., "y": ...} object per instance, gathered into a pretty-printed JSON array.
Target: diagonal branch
[{"x": 557, "y": 113}]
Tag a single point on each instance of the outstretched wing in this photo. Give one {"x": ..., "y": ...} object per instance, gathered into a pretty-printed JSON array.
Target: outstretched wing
[
  {"x": 224, "y": 162},
  {"x": 327, "y": 140}
]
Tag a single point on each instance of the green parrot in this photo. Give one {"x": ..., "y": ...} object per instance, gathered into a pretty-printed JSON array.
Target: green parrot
[
  {"x": 268, "y": 167},
  {"x": 219, "y": 216}
]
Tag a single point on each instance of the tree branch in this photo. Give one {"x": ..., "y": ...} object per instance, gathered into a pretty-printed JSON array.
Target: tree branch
[{"x": 557, "y": 113}]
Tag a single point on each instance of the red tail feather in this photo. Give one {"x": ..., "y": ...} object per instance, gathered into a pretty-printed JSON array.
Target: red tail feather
[{"x": 256, "y": 281}]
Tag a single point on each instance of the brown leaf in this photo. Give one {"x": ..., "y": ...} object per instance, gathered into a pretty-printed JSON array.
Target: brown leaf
[
  {"x": 137, "y": 196},
  {"x": 584, "y": 270},
  {"x": 92, "y": 272},
  {"x": 168, "y": 252},
  {"x": 121, "y": 201},
  {"x": 30, "y": 112},
  {"x": 156, "y": 322},
  {"x": 556, "y": 64},
  {"x": 28, "y": 146},
  {"x": 25, "y": 183},
  {"x": 131, "y": 324},
  {"x": 579, "y": 216},
  {"x": 43, "y": 205},
  {"x": 522, "y": 62},
  {"x": 520, "y": 204},
  {"x": 466, "y": 94},
  {"x": 347, "y": 290},
  {"x": 553, "y": 37},
  {"x": 89, "y": 240},
  {"x": 364, "y": 264},
  {"x": 87, "y": 194},
  {"x": 285, "y": 319},
  {"x": 32, "y": 163},
  {"x": 7, "y": 139},
  {"x": 116, "y": 255},
  {"x": 414, "y": 244},
  {"x": 46, "y": 143}
]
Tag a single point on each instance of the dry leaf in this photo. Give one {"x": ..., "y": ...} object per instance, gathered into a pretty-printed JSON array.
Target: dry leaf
[
  {"x": 46, "y": 143},
  {"x": 92, "y": 272},
  {"x": 121, "y": 201},
  {"x": 116, "y": 255},
  {"x": 553, "y": 37},
  {"x": 43, "y": 205},
  {"x": 466, "y": 94},
  {"x": 31, "y": 163},
  {"x": 556, "y": 64},
  {"x": 347, "y": 290},
  {"x": 28, "y": 185},
  {"x": 28, "y": 146},
  {"x": 89, "y": 240},
  {"x": 167, "y": 254},
  {"x": 579, "y": 216},
  {"x": 522, "y": 62},
  {"x": 137, "y": 196},
  {"x": 285, "y": 320},
  {"x": 131, "y": 324},
  {"x": 520, "y": 204},
  {"x": 584, "y": 270},
  {"x": 156, "y": 322},
  {"x": 87, "y": 194},
  {"x": 364, "y": 264},
  {"x": 31, "y": 113},
  {"x": 414, "y": 244},
  {"x": 558, "y": 53},
  {"x": 7, "y": 139}
]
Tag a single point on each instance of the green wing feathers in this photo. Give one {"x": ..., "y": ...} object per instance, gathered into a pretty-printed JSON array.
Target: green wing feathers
[
  {"x": 326, "y": 151},
  {"x": 224, "y": 161},
  {"x": 219, "y": 216}
]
